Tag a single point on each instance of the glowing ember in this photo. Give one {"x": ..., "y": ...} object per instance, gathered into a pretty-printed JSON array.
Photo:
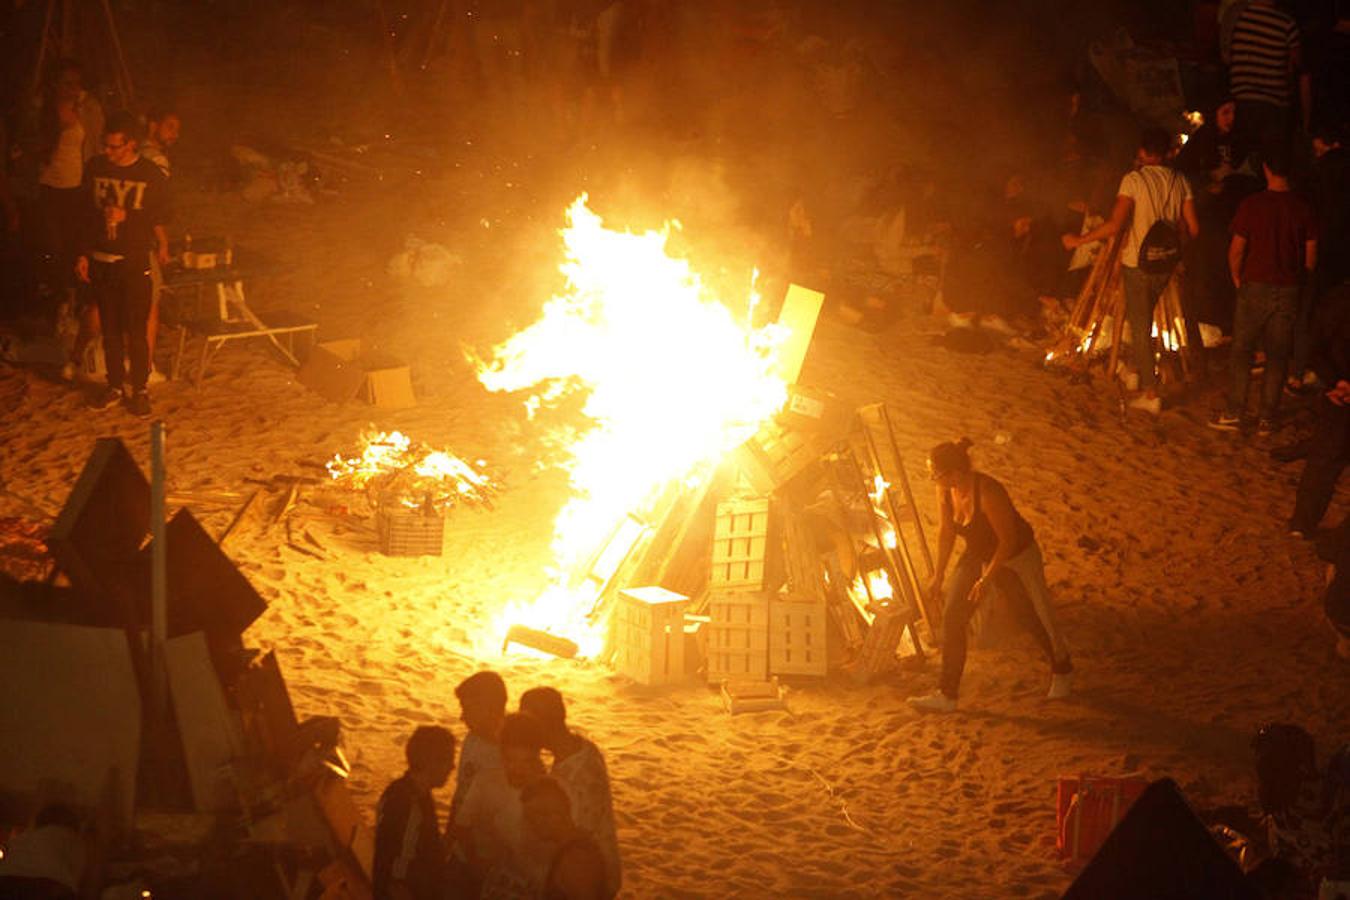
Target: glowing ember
[
  {"x": 671, "y": 381},
  {"x": 389, "y": 463}
]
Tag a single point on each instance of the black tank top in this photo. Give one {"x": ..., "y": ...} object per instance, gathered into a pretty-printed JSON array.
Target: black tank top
[{"x": 979, "y": 535}]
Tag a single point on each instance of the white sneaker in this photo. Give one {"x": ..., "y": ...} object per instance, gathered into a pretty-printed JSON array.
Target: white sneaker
[
  {"x": 936, "y": 702},
  {"x": 155, "y": 377},
  {"x": 1145, "y": 403},
  {"x": 1061, "y": 686},
  {"x": 68, "y": 372}
]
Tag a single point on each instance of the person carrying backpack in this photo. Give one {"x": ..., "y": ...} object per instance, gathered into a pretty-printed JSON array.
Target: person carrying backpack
[
  {"x": 1271, "y": 258},
  {"x": 1155, "y": 204}
]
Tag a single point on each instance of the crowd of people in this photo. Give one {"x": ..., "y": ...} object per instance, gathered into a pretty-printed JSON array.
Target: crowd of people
[
  {"x": 517, "y": 827},
  {"x": 87, "y": 205}
]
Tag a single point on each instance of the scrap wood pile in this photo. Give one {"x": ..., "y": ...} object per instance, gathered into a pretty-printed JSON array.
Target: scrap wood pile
[
  {"x": 1095, "y": 329},
  {"x": 188, "y": 749}
]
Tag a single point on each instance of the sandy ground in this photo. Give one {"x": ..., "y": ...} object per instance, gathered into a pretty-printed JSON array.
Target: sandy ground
[{"x": 1192, "y": 618}]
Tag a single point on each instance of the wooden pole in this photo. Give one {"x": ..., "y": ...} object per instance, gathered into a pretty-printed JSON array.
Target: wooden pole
[
  {"x": 159, "y": 612},
  {"x": 123, "y": 74}
]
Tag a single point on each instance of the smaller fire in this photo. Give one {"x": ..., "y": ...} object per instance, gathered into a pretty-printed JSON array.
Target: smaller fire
[{"x": 390, "y": 464}]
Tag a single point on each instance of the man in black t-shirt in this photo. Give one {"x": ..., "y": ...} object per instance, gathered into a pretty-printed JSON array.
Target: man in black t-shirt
[
  {"x": 409, "y": 850},
  {"x": 127, "y": 201}
]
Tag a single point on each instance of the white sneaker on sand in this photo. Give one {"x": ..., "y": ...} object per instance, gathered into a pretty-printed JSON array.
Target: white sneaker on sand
[
  {"x": 68, "y": 372},
  {"x": 1145, "y": 403},
  {"x": 1061, "y": 686},
  {"x": 936, "y": 702},
  {"x": 155, "y": 377}
]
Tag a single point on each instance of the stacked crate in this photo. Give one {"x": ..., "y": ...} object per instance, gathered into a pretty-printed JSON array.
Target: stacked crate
[
  {"x": 649, "y": 635},
  {"x": 738, "y": 604},
  {"x": 738, "y": 636},
  {"x": 797, "y": 628}
]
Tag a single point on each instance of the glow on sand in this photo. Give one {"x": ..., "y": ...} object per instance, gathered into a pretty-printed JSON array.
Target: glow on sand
[{"x": 671, "y": 378}]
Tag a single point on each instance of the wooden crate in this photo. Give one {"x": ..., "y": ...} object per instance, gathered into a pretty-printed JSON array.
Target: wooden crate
[
  {"x": 409, "y": 532},
  {"x": 878, "y": 654},
  {"x": 741, "y": 545},
  {"x": 738, "y": 636},
  {"x": 649, "y": 634},
  {"x": 797, "y": 636},
  {"x": 776, "y": 455}
]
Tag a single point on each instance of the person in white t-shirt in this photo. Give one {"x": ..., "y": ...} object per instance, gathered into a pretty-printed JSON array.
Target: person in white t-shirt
[{"x": 1149, "y": 193}]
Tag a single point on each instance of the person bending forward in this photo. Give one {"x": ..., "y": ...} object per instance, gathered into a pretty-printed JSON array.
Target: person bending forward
[{"x": 1000, "y": 554}]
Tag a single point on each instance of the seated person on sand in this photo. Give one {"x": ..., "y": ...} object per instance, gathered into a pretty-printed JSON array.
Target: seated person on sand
[
  {"x": 488, "y": 824},
  {"x": 482, "y": 704},
  {"x": 576, "y": 869},
  {"x": 1000, "y": 554},
  {"x": 579, "y": 767},
  {"x": 409, "y": 856}
]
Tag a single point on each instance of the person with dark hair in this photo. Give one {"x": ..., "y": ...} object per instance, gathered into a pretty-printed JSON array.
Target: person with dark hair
[
  {"x": 409, "y": 861},
  {"x": 1152, "y": 200},
  {"x": 1216, "y": 159},
  {"x": 1271, "y": 256},
  {"x": 162, "y": 130},
  {"x": 488, "y": 825},
  {"x": 482, "y": 703},
  {"x": 576, "y": 867},
  {"x": 47, "y": 861},
  {"x": 127, "y": 208},
  {"x": 579, "y": 767},
  {"x": 1000, "y": 554}
]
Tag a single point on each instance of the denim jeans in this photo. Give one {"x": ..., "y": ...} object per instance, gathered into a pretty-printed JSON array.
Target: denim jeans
[
  {"x": 1142, "y": 290},
  {"x": 959, "y": 608},
  {"x": 1264, "y": 317}
]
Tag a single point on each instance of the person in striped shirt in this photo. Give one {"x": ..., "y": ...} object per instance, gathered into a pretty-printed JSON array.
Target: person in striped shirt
[{"x": 1265, "y": 62}]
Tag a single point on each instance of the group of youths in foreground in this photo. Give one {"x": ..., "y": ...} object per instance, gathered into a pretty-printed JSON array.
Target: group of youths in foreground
[{"x": 516, "y": 827}]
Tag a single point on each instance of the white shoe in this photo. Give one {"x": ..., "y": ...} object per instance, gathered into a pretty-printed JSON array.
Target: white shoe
[
  {"x": 1061, "y": 686},
  {"x": 68, "y": 372},
  {"x": 1145, "y": 403},
  {"x": 155, "y": 377},
  {"x": 936, "y": 702}
]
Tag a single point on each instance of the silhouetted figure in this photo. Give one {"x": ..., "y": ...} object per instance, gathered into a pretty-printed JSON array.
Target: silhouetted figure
[
  {"x": 409, "y": 852},
  {"x": 579, "y": 767},
  {"x": 576, "y": 868}
]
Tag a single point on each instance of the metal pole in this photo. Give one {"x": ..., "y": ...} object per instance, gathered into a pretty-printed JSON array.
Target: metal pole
[{"x": 159, "y": 611}]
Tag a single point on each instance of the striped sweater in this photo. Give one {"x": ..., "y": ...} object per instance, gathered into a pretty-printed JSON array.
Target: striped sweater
[{"x": 1265, "y": 40}]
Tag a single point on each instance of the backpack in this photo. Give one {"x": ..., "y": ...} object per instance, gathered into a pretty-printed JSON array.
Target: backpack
[{"x": 1160, "y": 250}]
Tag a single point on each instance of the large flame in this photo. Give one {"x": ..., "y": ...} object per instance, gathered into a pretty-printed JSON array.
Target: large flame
[{"x": 672, "y": 380}]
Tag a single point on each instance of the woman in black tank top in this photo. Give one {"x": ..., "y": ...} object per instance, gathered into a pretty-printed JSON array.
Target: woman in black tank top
[{"x": 1000, "y": 553}]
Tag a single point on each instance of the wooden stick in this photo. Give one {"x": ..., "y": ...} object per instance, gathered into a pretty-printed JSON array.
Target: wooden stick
[{"x": 248, "y": 511}]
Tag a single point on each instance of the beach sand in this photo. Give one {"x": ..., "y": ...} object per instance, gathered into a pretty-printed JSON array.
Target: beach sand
[{"x": 1192, "y": 618}]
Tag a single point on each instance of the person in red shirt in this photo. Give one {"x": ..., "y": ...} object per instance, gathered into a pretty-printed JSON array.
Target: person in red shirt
[{"x": 1271, "y": 255}]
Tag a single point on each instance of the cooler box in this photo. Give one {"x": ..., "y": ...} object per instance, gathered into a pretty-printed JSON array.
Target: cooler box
[{"x": 1088, "y": 807}]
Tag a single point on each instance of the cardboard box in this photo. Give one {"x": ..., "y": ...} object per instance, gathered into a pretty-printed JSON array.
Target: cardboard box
[
  {"x": 649, "y": 635},
  {"x": 341, "y": 370}
]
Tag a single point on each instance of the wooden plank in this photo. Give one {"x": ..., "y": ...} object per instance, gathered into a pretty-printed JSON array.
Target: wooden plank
[
  {"x": 207, "y": 726},
  {"x": 247, "y": 514},
  {"x": 800, "y": 312},
  {"x": 70, "y": 712}
]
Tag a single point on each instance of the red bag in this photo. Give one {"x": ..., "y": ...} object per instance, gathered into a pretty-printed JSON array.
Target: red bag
[{"x": 1088, "y": 807}]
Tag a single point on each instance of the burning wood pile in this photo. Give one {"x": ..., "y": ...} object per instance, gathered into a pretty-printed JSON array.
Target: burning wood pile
[
  {"x": 410, "y": 488},
  {"x": 1095, "y": 328},
  {"x": 158, "y": 721},
  {"x": 722, "y": 519}
]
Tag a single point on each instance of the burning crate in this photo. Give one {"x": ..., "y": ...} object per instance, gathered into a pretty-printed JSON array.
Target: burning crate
[
  {"x": 740, "y": 545},
  {"x": 649, "y": 635},
  {"x": 797, "y": 636},
  {"x": 738, "y": 636},
  {"x": 409, "y": 531},
  {"x": 776, "y": 455}
]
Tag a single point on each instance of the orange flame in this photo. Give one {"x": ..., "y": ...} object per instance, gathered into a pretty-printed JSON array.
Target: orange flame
[{"x": 671, "y": 380}]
